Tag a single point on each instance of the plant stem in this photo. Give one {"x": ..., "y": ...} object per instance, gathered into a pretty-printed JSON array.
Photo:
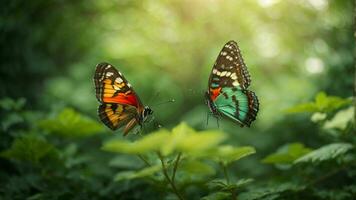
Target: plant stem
[
  {"x": 144, "y": 160},
  {"x": 165, "y": 173},
  {"x": 225, "y": 173},
  {"x": 176, "y": 166},
  {"x": 233, "y": 193}
]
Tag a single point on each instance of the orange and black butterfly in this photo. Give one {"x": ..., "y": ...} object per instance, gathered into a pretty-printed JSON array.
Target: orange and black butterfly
[{"x": 119, "y": 104}]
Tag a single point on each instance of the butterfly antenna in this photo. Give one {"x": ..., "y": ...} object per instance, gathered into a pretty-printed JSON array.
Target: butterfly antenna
[
  {"x": 154, "y": 97},
  {"x": 164, "y": 102}
]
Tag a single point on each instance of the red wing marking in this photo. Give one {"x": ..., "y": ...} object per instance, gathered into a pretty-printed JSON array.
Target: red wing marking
[
  {"x": 214, "y": 93},
  {"x": 122, "y": 99}
]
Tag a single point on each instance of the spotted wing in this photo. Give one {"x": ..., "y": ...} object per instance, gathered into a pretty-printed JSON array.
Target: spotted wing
[
  {"x": 112, "y": 87},
  {"x": 228, "y": 83},
  {"x": 229, "y": 69}
]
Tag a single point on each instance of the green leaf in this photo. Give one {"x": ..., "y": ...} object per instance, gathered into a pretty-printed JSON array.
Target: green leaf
[
  {"x": 322, "y": 103},
  {"x": 187, "y": 140},
  {"x": 11, "y": 104},
  {"x": 125, "y": 161},
  {"x": 328, "y": 152},
  {"x": 228, "y": 154},
  {"x": 194, "y": 143},
  {"x": 29, "y": 148},
  {"x": 221, "y": 184},
  {"x": 318, "y": 116},
  {"x": 196, "y": 167},
  {"x": 217, "y": 196},
  {"x": 70, "y": 123},
  {"x": 149, "y": 143},
  {"x": 270, "y": 192},
  {"x": 127, "y": 175},
  {"x": 303, "y": 107},
  {"x": 341, "y": 119},
  {"x": 178, "y": 136},
  {"x": 287, "y": 154}
]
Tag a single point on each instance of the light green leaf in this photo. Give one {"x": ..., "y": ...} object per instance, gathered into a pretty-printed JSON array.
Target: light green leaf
[
  {"x": 195, "y": 143},
  {"x": 327, "y": 152},
  {"x": 70, "y": 123},
  {"x": 29, "y": 148},
  {"x": 322, "y": 103},
  {"x": 287, "y": 154},
  {"x": 127, "y": 175},
  {"x": 228, "y": 154},
  {"x": 149, "y": 143},
  {"x": 304, "y": 107},
  {"x": 178, "y": 135},
  {"x": 341, "y": 119},
  {"x": 318, "y": 116},
  {"x": 196, "y": 167}
]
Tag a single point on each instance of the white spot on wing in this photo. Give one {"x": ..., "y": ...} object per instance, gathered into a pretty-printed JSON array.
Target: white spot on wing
[
  {"x": 233, "y": 76},
  {"x": 235, "y": 83},
  {"x": 228, "y": 74},
  {"x": 118, "y": 80},
  {"x": 223, "y": 73},
  {"x": 108, "y": 74},
  {"x": 129, "y": 85}
]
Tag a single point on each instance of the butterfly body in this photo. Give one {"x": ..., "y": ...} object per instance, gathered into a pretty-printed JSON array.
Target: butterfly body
[
  {"x": 227, "y": 93},
  {"x": 119, "y": 104}
]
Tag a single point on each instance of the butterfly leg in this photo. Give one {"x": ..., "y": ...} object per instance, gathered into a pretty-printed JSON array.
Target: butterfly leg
[{"x": 207, "y": 118}]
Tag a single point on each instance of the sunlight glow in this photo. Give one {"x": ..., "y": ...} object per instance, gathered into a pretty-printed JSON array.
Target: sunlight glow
[
  {"x": 319, "y": 4},
  {"x": 267, "y": 3},
  {"x": 314, "y": 65},
  {"x": 267, "y": 44}
]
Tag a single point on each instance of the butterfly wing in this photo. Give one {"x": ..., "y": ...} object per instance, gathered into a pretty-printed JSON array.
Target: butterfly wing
[
  {"x": 112, "y": 87},
  {"x": 228, "y": 84},
  {"x": 119, "y": 103},
  {"x": 115, "y": 116},
  {"x": 229, "y": 69},
  {"x": 238, "y": 105}
]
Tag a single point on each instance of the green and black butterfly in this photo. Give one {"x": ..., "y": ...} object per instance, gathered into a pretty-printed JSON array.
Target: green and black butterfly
[{"x": 227, "y": 93}]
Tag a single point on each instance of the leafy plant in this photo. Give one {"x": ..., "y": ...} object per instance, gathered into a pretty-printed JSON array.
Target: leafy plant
[
  {"x": 70, "y": 123},
  {"x": 188, "y": 148}
]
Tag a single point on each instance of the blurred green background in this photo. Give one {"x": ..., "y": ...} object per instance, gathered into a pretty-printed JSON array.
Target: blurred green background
[{"x": 49, "y": 50}]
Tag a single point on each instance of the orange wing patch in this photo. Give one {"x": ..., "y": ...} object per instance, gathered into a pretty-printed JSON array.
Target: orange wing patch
[{"x": 214, "y": 93}]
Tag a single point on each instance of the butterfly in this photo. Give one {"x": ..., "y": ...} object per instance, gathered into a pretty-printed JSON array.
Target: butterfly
[
  {"x": 227, "y": 93},
  {"x": 119, "y": 104}
]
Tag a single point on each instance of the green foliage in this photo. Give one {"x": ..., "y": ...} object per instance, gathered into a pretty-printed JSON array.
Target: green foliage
[
  {"x": 217, "y": 196},
  {"x": 29, "y": 148},
  {"x": 277, "y": 191},
  {"x": 325, "y": 153},
  {"x": 287, "y": 154},
  {"x": 181, "y": 139},
  {"x": 70, "y": 123},
  {"x": 194, "y": 147},
  {"x": 341, "y": 120},
  {"x": 127, "y": 175},
  {"x": 11, "y": 104},
  {"x": 227, "y": 154},
  {"x": 322, "y": 103}
]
